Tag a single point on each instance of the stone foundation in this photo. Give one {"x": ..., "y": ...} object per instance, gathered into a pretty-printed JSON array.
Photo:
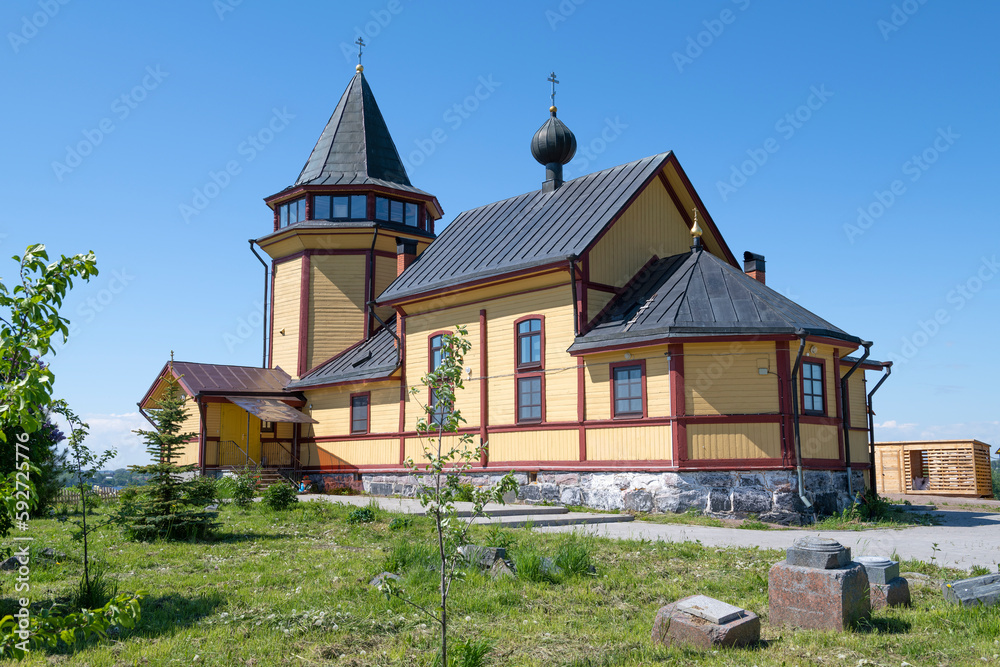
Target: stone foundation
[{"x": 770, "y": 495}]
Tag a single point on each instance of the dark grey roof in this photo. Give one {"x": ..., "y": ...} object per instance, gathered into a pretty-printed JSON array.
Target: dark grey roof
[
  {"x": 372, "y": 359},
  {"x": 529, "y": 230},
  {"x": 388, "y": 227},
  {"x": 356, "y": 147},
  {"x": 698, "y": 294},
  {"x": 869, "y": 360}
]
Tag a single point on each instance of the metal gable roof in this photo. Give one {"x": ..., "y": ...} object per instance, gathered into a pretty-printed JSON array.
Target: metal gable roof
[
  {"x": 695, "y": 294},
  {"x": 372, "y": 359},
  {"x": 200, "y": 378},
  {"x": 529, "y": 230},
  {"x": 355, "y": 147}
]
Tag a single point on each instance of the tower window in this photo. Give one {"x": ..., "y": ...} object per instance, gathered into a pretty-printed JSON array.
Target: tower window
[
  {"x": 292, "y": 212},
  {"x": 347, "y": 207},
  {"x": 393, "y": 210},
  {"x": 411, "y": 214},
  {"x": 381, "y": 208}
]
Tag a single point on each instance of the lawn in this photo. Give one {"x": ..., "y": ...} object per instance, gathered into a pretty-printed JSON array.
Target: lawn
[{"x": 292, "y": 589}]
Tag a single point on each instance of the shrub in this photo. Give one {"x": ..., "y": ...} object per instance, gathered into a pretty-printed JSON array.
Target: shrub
[
  {"x": 202, "y": 490},
  {"x": 279, "y": 496},
  {"x": 244, "y": 486},
  {"x": 400, "y": 522},
  {"x": 465, "y": 493},
  {"x": 362, "y": 515},
  {"x": 500, "y": 537},
  {"x": 101, "y": 589}
]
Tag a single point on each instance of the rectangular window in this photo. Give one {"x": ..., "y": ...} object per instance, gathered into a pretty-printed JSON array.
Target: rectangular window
[
  {"x": 395, "y": 211},
  {"x": 359, "y": 207},
  {"x": 321, "y": 207},
  {"x": 437, "y": 344},
  {"x": 340, "y": 208},
  {"x": 628, "y": 391},
  {"x": 529, "y": 343},
  {"x": 359, "y": 413},
  {"x": 529, "y": 399},
  {"x": 283, "y": 212},
  {"x": 300, "y": 210},
  {"x": 411, "y": 215},
  {"x": 267, "y": 427},
  {"x": 381, "y": 208},
  {"x": 812, "y": 389}
]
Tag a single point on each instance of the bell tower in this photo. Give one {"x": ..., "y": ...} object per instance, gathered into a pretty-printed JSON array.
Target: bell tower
[{"x": 335, "y": 235}]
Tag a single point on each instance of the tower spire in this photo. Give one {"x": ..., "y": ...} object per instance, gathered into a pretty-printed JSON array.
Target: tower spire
[
  {"x": 553, "y": 145},
  {"x": 361, "y": 45},
  {"x": 553, "y": 80},
  {"x": 696, "y": 233}
]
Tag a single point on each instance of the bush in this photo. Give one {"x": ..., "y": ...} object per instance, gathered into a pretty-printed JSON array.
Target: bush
[
  {"x": 362, "y": 515},
  {"x": 202, "y": 490},
  {"x": 500, "y": 537},
  {"x": 244, "y": 486},
  {"x": 102, "y": 589},
  {"x": 465, "y": 493},
  {"x": 279, "y": 496}
]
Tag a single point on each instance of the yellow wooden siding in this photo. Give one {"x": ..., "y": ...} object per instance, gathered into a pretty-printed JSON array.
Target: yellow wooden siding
[
  {"x": 287, "y": 294},
  {"x": 336, "y": 305},
  {"x": 596, "y": 300},
  {"x": 478, "y": 296},
  {"x": 415, "y": 447},
  {"x": 331, "y": 407},
  {"x": 859, "y": 446},
  {"x": 819, "y": 441},
  {"x": 652, "y": 225},
  {"x": 284, "y": 430},
  {"x": 385, "y": 273},
  {"x": 192, "y": 418},
  {"x": 213, "y": 419},
  {"x": 734, "y": 441},
  {"x": 189, "y": 454},
  {"x": 364, "y": 452},
  {"x": 647, "y": 443},
  {"x": 857, "y": 399},
  {"x": 723, "y": 378},
  {"x": 535, "y": 446},
  {"x": 687, "y": 201},
  {"x": 597, "y": 382}
]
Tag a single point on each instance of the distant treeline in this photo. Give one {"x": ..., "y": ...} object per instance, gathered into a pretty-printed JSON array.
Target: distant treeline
[{"x": 113, "y": 478}]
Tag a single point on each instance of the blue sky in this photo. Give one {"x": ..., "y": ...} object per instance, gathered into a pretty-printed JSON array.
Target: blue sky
[{"x": 854, "y": 144}]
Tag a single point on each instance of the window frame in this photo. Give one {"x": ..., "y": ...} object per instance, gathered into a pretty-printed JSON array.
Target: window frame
[
  {"x": 390, "y": 201},
  {"x": 517, "y": 397},
  {"x": 268, "y": 427},
  {"x": 431, "y": 368},
  {"x": 350, "y": 197},
  {"x": 631, "y": 363},
  {"x": 802, "y": 386},
  {"x": 367, "y": 395},
  {"x": 531, "y": 366},
  {"x": 284, "y": 211}
]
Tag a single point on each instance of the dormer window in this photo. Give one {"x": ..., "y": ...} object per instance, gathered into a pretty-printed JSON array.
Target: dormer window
[
  {"x": 393, "y": 210},
  {"x": 340, "y": 207},
  {"x": 292, "y": 212}
]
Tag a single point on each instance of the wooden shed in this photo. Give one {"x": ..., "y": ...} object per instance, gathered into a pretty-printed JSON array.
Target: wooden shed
[{"x": 934, "y": 467}]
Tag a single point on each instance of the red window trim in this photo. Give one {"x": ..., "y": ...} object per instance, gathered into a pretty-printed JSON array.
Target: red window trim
[
  {"x": 517, "y": 398},
  {"x": 631, "y": 363},
  {"x": 430, "y": 360},
  {"x": 368, "y": 413},
  {"x": 541, "y": 343},
  {"x": 802, "y": 390}
]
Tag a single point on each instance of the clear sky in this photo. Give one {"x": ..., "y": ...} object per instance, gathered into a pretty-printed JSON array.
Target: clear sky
[{"x": 853, "y": 143}]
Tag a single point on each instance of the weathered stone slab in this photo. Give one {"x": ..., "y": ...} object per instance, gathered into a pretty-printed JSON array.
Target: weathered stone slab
[
  {"x": 983, "y": 590},
  {"x": 894, "y": 593},
  {"x": 710, "y": 609},
  {"x": 818, "y": 599},
  {"x": 818, "y": 552},
  {"x": 502, "y": 569},
  {"x": 674, "y": 626},
  {"x": 482, "y": 557},
  {"x": 879, "y": 570}
]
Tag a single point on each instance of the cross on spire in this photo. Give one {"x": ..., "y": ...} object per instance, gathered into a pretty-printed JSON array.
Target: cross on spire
[
  {"x": 552, "y": 78},
  {"x": 361, "y": 45}
]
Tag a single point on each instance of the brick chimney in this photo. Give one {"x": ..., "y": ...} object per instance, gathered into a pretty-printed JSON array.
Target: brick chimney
[
  {"x": 406, "y": 252},
  {"x": 753, "y": 266}
]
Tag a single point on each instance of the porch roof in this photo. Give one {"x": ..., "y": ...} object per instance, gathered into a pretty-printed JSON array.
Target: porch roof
[{"x": 271, "y": 410}]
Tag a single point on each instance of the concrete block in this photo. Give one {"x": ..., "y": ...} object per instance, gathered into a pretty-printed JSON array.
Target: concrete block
[
  {"x": 675, "y": 626},
  {"x": 983, "y": 590},
  {"x": 818, "y": 552},
  {"x": 879, "y": 570},
  {"x": 894, "y": 593},
  {"x": 818, "y": 599}
]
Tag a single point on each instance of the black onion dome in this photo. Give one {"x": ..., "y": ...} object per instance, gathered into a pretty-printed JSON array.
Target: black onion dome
[{"x": 553, "y": 142}]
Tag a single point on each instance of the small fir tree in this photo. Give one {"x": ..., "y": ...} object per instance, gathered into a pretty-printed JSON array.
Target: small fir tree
[{"x": 165, "y": 509}]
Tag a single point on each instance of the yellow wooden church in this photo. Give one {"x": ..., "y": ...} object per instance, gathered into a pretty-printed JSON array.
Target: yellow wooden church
[{"x": 622, "y": 357}]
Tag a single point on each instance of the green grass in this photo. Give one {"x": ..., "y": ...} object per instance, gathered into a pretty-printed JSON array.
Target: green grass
[
  {"x": 292, "y": 589},
  {"x": 893, "y": 518}
]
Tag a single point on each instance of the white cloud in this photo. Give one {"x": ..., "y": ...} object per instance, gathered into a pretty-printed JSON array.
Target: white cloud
[
  {"x": 984, "y": 431},
  {"x": 111, "y": 431}
]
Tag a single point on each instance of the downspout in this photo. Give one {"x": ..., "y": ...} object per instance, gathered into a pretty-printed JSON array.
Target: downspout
[
  {"x": 371, "y": 282},
  {"x": 795, "y": 419},
  {"x": 572, "y": 282},
  {"x": 263, "y": 363},
  {"x": 887, "y": 366},
  {"x": 371, "y": 309},
  {"x": 844, "y": 412}
]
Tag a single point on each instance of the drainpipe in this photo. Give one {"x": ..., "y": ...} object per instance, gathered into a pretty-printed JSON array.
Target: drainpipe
[
  {"x": 795, "y": 418},
  {"x": 887, "y": 367},
  {"x": 263, "y": 363},
  {"x": 371, "y": 284},
  {"x": 844, "y": 412},
  {"x": 572, "y": 282}
]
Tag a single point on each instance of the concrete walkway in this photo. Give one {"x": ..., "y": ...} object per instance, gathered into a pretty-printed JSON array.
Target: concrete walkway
[{"x": 966, "y": 537}]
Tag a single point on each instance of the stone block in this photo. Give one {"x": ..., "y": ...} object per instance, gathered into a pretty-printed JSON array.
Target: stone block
[
  {"x": 894, "y": 593},
  {"x": 676, "y": 626},
  {"x": 879, "y": 570},
  {"x": 570, "y": 495},
  {"x": 720, "y": 501},
  {"x": 751, "y": 500},
  {"x": 563, "y": 478},
  {"x": 695, "y": 497},
  {"x": 788, "y": 502},
  {"x": 983, "y": 590},
  {"x": 482, "y": 557},
  {"x": 638, "y": 501},
  {"x": 549, "y": 492},
  {"x": 817, "y": 599},
  {"x": 818, "y": 552},
  {"x": 529, "y": 492},
  {"x": 380, "y": 489},
  {"x": 717, "y": 479},
  {"x": 826, "y": 503},
  {"x": 751, "y": 479},
  {"x": 710, "y": 609}
]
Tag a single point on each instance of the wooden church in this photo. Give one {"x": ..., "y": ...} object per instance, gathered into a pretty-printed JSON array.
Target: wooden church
[{"x": 622, "y": 357}]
